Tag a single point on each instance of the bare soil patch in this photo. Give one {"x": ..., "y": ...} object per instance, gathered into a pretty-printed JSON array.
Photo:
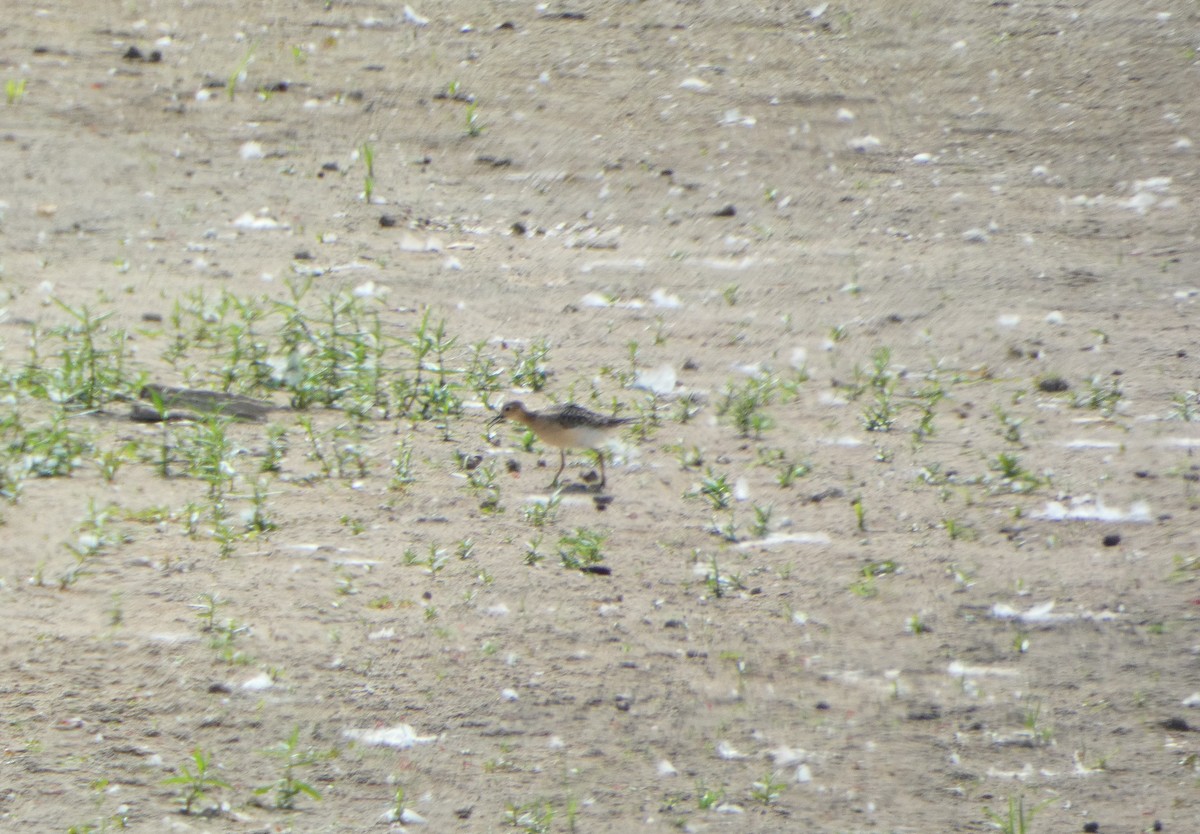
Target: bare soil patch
[{"x": 901, "y": 296}]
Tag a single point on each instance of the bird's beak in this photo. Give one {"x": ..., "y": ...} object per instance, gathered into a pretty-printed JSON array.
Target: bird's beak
[{"x": 499, "y": 418}]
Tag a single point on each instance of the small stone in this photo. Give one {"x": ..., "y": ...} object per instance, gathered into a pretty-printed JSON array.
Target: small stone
[
  {"x": 1112, "y": 540},
  {"x": 1053, "y": 384},
  {"x": 1091, "y": 827},
  {"x": 726, "y": 211},
  {"x": 924, "y": 712}
]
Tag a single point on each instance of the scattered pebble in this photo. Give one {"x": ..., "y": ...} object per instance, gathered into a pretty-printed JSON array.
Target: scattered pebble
[
  {"x": 251, "y": 151},
  {"x": 261, "y": 222},
  {"x": 1086, "y": 508},
  {"x": 659, "y": 380},
  {"x": 664, "y": 299},
  {"x": 726, "y": 751},
  {"x": 258, "y": 683},
  {"x": 410, "y": 16},
  {"x": 401, "y": 737},
  {"x": 864, "y": 144},
  {"x": 735, "y": 117}
]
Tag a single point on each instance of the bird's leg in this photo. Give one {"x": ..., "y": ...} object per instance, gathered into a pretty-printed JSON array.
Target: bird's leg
[
  {"x": 603, "y": 478},
  {"x": 562, "y": 464}
]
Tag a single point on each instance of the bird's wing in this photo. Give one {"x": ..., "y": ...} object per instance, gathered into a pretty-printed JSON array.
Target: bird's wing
[{"x": 571, "y": 415}]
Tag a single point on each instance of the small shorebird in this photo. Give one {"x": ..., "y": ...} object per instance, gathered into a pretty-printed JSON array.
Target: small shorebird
[{"x": 567, "y": 426}]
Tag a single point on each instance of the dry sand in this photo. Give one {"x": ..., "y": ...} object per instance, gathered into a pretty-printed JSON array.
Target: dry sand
[{"x": 930, "y": 208}]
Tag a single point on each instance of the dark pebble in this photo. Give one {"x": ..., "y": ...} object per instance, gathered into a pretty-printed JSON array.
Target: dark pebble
[
  {"x": 1091, "y": 827},
  {"x": 1175, "y": 724},
  {"x": 925, "y": 712},
  {"x": 726, "y": 211},
  {"x": 1112, "y": 540},
  {"x": 1053, "y": 385}
]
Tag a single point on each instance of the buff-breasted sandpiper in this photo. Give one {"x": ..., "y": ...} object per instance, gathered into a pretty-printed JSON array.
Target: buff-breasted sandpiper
[{"x": 566, "y": 426}]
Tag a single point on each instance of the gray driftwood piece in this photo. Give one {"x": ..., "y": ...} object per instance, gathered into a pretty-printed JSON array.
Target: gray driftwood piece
[{"x": 195, "y": 404}]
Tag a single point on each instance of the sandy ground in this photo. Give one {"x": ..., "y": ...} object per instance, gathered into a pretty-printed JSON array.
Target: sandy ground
[{"x": 941, "y": 582}]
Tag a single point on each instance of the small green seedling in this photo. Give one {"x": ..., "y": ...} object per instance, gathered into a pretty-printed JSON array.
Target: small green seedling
[
  {"x": 1019, "y": 819},
  {"x": 768, "y": 789},
  {"x": 196, "y": 782},
  {"x": 582, "y": 548},
  {"x": 239, "y": 72},
  {"x": 366, "y": 152},
  {"x": 288, "y": 787},
  {"x": 14, "y": 90}
]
